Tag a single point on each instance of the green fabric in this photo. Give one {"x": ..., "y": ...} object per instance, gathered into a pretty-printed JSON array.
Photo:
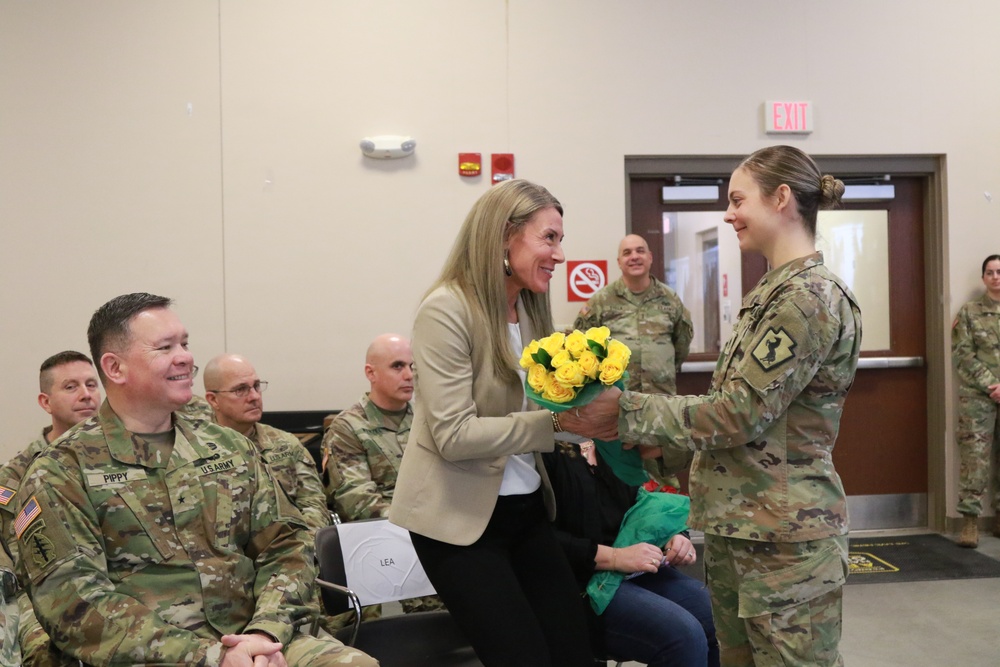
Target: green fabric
[
  {"x": 654, "y": 518},
  {"x": 625, "y": 463}
]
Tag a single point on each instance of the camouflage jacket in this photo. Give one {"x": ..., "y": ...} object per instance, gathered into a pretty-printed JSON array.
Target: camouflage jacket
[
  {"x": 33, "y": 640},
  {"x": 975, "y": 345},
  {"x": 764, "y": 436},
  {"x": 654, "y": 324},
  {"x": 10, "y": 651},
  {"x": 11, "y": 475},
  {"x": 294, "y": 468},
  {"x": 139, "y": 552},
  {"x": 366, "y": 449}
]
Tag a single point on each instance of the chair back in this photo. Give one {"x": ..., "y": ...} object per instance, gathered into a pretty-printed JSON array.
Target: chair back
[{"x": 331, "y": 568}]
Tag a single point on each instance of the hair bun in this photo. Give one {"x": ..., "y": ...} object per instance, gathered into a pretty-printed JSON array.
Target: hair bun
[{"x": 831, "y": 190}]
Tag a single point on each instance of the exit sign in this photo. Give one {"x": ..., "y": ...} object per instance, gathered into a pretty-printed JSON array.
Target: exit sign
[{"x": 785, "y": 117}]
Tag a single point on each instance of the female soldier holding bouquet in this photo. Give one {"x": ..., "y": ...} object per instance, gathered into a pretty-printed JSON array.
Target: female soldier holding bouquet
[
  {"x": 763, "y": 486},
  {"x": 471, "y": 489}
]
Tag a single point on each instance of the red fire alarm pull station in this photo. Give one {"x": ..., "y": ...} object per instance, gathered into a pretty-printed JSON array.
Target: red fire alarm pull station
[
  {"x": 503, "y": 167},
  {"x": 470, "y": 164}
]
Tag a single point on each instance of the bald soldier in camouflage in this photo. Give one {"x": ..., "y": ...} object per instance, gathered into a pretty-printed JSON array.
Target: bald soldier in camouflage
[
  {"x": 364, "y": 444},
  {"x": 154, "y": 539},
  {"x": 649, "y": 317},
  {"x": 237, "y": 399},
  {"x": 69, "y": 391},
  {"x": 975, "y": 346}
]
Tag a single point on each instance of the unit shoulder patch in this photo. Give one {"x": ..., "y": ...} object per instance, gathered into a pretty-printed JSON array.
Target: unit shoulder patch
[{"x": 774, "y": 349}]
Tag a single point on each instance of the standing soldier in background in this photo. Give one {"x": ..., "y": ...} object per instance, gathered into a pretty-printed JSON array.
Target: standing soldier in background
[
  {"x": 70, "y": 392},
  {"x": 648, "y": 316},
  {"x": 364, "y": 444},
  {"x": 238, "y": 403},
  {"x": 975, "y": 346}
]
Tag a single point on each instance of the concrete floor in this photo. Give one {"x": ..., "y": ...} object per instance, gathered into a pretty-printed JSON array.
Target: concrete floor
[{"x": 922, "y": 624}]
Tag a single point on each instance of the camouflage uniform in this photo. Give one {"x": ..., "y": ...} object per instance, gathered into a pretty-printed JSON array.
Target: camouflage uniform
[
  {"x": 197, "y": 408},
  {"x": 10, "y": 652},
  {"x": 654, "y": 324},
  {"x": 366, "y": 446},
  {"x": 295, "y": 470},
  {"x": 36, "y": 649},
  {"x": 657, "y": 328},
  {"x": 763, "y": 486},
  {"x": 140, "y": 551},
  {"x": 975, "y": 347}
]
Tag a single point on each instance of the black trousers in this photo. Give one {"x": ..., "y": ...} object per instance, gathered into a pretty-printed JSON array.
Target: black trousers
[{"x": 512, "y": 591}]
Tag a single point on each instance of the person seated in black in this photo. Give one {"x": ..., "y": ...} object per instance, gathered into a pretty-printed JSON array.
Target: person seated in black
[{"x": 658, "y": 616}]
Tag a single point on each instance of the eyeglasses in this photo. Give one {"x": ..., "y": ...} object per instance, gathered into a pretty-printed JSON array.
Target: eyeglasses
[{"x": 243, "y": 390}]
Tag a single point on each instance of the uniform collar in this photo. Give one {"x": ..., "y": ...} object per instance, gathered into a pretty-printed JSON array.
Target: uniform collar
[
  {"x": 123, "y": 445},
  {"x": 375, "y": 414},
  {"x": 779, "y": 276}
]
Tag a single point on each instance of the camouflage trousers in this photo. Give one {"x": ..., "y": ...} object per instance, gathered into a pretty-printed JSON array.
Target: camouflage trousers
[
  {"x": 978, "y": 440},
  {"x": 777, "y": 604},
  {"x": 426, "y": 603},
  {"x": 305, "y": 650}
]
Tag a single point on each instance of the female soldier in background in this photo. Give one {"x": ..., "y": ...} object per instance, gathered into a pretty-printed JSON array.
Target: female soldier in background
[{"x": 975, "y": 346}]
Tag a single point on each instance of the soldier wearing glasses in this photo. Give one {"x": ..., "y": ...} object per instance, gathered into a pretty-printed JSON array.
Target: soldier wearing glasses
[{"x": 237, "y": 401}]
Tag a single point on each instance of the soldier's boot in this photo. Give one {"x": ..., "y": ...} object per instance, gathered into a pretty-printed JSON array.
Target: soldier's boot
[{"x": 969, "y": 537}]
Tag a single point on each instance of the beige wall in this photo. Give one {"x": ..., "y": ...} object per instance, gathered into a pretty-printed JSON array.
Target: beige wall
[{"x": 208, "y": 150}]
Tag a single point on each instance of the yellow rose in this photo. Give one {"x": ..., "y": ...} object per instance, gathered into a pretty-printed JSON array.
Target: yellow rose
[
  {"x": 526, "y": 360},
  {"x": 561, "y": 358},
  {"x": 619, "y": 351},
  {"x": 536, "y": 377},
  {"x": 570, "y": 375},
  {"x": 576, "y": 344},
  {"x": 611, "y": 371},
  {"x": 556, "y": 392},
  {"x": 599, "y": 335},
  {"x": 589, "y": 364},
  {"x": 553, "y": 344}
]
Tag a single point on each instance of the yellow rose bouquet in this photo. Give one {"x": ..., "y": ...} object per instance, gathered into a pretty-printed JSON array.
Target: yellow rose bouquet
[{"x": 568, "y": 370}]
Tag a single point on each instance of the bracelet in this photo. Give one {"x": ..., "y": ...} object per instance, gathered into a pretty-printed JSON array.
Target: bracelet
[{"x": 556, "y": 426}]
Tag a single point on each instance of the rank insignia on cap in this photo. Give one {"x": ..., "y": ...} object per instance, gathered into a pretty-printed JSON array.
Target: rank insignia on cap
[
  {"x": 6, "y": 495},
  {"x": 29, "y": 513},
  {"x": 774, "y": 349}
]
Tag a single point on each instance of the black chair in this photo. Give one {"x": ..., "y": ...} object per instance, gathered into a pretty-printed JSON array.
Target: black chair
[{"x": 423, "y": 639}]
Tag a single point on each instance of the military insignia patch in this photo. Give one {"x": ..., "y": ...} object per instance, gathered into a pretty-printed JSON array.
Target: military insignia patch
[
  {"x": 774, "y": 349},
  {"x": 29, "y": 513},
  {"x": 6, "y": 495},
  {"x": 40, "y": 548}
]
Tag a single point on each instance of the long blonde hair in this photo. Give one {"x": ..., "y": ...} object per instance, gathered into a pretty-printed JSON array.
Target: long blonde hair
[{"x": 475, "y": 270}]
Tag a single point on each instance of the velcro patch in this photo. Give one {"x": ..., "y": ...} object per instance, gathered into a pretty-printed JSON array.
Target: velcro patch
[
  {"x": 774, "y": 349},
  {"x": 123, "y": 476},
  {"x": 220, "y": 466},
  {"x": 39, "y": 548},
  {"x": 6, "y": 495},
  {"x": 31, "y": 511}
]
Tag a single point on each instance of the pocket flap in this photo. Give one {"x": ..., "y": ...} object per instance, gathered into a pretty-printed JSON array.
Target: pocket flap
[{"x": 791, "y": 586}]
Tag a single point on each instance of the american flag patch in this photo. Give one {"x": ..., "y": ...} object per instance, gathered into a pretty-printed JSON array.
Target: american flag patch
[
  {"x": 6, "y": 495},
  {"x": 29, "y": 513}
]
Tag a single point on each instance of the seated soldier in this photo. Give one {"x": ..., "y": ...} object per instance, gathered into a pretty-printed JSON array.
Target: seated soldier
[
  {"x": 364, "y": 444},
  {"x": 154, "y": 539},
  {"x": 70, "y": 393},
  {"x": 238, "y": 403}
]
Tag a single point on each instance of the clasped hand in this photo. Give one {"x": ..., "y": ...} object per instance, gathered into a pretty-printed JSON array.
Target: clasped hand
[{"x": 251, "y": 650}]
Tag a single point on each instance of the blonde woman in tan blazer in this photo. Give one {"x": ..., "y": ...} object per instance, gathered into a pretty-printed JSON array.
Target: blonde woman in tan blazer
[{"x": 471, "y": 489}]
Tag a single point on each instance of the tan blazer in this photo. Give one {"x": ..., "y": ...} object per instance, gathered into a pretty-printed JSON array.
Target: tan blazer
[{"x": 466, "y": 422}]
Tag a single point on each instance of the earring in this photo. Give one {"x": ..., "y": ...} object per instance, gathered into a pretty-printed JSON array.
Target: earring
[{"x": 508, "y": 271}]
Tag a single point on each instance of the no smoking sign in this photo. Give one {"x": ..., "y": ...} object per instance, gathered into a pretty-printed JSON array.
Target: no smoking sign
[{"x": 584, "y": 278}]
